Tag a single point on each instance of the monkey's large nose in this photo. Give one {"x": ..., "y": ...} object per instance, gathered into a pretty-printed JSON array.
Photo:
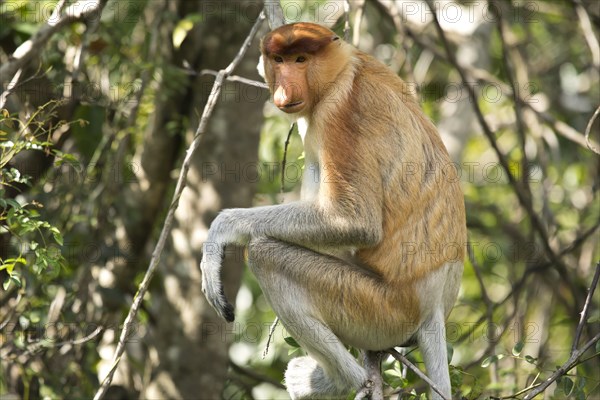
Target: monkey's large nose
[
  {"x": 282, "y": 96},
  {"x": 285, "y": 99}
]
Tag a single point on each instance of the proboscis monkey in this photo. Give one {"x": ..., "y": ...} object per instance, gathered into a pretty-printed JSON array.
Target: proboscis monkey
[{"x": 372, "y": 254}]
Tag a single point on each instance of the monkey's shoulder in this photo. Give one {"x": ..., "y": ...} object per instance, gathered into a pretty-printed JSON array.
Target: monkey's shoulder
[{"x": 374, "y": 76}]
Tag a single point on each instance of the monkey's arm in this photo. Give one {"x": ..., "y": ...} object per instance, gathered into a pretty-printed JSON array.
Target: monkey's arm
[
  {"x": 348, "y": 221},
  {"x": 302, "y": 222}
]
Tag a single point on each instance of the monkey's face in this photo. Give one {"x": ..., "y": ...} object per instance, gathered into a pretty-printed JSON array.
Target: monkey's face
[
  {"x": 291, "y": 55},
  {"x": 289, "y": 83}
]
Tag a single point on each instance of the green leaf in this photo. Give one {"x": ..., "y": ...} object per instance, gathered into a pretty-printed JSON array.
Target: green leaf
[
  {"x": 8, "y": 266},
  {"x": 293, "y": 350},
  {"x": 456, "y": 376},
  {"x": 530, "y": 360},
  {"x": 16, "y": 279},
  {"x": 13, "y": 204},
  {"x": 394, "y": 378},
  {"x": 593, "y": 319},
  {"x": 180, "y": 32},
  {"x": 492, "y": 359},
  {"x": 518, "y": 348},
  {"x": 291, "y": 341},
  {"x": 476, "y": 390},
  {"x": 567, "y": 385},
  {"x": 351, "y": 395},
  {"x": 450, "y": 350},
  {"x": 58, "y": 238}
]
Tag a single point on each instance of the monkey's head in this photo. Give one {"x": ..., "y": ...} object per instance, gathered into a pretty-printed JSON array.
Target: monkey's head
[{"x": 300, "y": 61}]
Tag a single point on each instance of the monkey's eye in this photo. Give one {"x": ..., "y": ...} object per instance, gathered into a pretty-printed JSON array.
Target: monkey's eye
[
  {"x": 300, "y": 59},
  {"x": 278, "y": 59}
]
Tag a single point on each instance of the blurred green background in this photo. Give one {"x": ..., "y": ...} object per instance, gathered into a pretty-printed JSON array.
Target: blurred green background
[{"x": 94, "y": 127}]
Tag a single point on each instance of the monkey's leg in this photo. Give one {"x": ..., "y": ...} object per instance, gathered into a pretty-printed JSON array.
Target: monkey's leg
[
  {"x": 432, "y": 343},
  {"x": 302, "y": 286}
]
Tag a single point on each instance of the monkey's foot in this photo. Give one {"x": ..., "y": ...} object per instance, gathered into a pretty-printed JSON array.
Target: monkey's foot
[
  {"x": 365, "y": 391},
  {"x": 305, "y": 379},
  {"x": 373, "y": 387}
]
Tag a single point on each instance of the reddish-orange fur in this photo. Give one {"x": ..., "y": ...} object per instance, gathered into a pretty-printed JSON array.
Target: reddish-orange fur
[{"x": 384, "y": 166}]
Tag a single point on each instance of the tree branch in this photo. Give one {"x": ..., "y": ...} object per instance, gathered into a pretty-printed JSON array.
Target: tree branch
[
  {"x": 416, "y": 370},
  {"x": 236, "y": 78},
  {"x": 476, "y": 75},
  {"x": 181, "y": 183},
  {"x": 575, "y": 353},
  {"x": 274, "y": 14},
  {"x": 563, "y": 369},
  {"x": 588, "y": 129},
  {"x": 519, "y": 190},
  {"x": 33, "y": 47},
  {"x": 586, "y": 309},
  {"x": 255, "y": 375}
]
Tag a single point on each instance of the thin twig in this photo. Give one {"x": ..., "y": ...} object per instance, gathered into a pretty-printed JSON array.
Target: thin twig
[
  {"x": 575, "y": 353},
  {"x": 358, "y": 16},
  {"x": 232, "y": 78},
  {"x": 255, "y": 376},
  {"x": 402, "y": 39},
  {"x": 10, "y": 87},
  {"x": 417, "y": 371},
  {"x": 281, "y": 189},
  {"x": 513, "y": 81},
  {"x": 274, "y": 14},
  {"x": 271, "y": 332},
  {"x": 520, "y": 192},
  {"x": 588, "y": 32},
  {"x": 588, "y": 129},
  {"x": 586, "y": 309},
  {"x": 478, "y": 75},
  {"x": 181, "y": 183},
  {"x": 563, "y": 369},
  {"x": 32, "y": 47},
  {"x": 346, "y": 20},
  {"x": 285, "y": 149}
]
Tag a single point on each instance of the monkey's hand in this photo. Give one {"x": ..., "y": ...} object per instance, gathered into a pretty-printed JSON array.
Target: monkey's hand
[
  {"x": 230, "y": 226},
  {"x": 212, "y": 287}
]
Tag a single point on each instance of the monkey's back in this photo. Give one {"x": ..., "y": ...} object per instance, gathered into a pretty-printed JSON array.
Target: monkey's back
[{"x": 423, "y": 207}]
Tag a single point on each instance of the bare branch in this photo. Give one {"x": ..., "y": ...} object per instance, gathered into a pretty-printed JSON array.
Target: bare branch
[
  {"x": 358, "y": 16},
  {"x": 255, "y": 376},
  {"x": 588, "y": 129},
  {"x": 235, "y": 78},
  {"x": 563, "y": 369},
  {"x": 33, "y": 47},
  {"x": 181, "y": 183},
  {"x": 416, "y": 370},
  {"x": 519, "y": 190},
  {"x": 346, "y": 20},
  {"x": 10, "y": 87},
  {"x": 402, "y": 36},
  {"x": 274, "y": 14},
  {"x": 588, "y": 33},
  {"x": 271, "y": 332},
  {"x": 575, "y": 353},
  {"x": 477, "y": 74},
  {"x": 586, "y": 309}
]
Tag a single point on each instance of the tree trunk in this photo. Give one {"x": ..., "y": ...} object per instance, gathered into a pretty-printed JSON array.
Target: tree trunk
[{"x": 190, "y": 341}]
